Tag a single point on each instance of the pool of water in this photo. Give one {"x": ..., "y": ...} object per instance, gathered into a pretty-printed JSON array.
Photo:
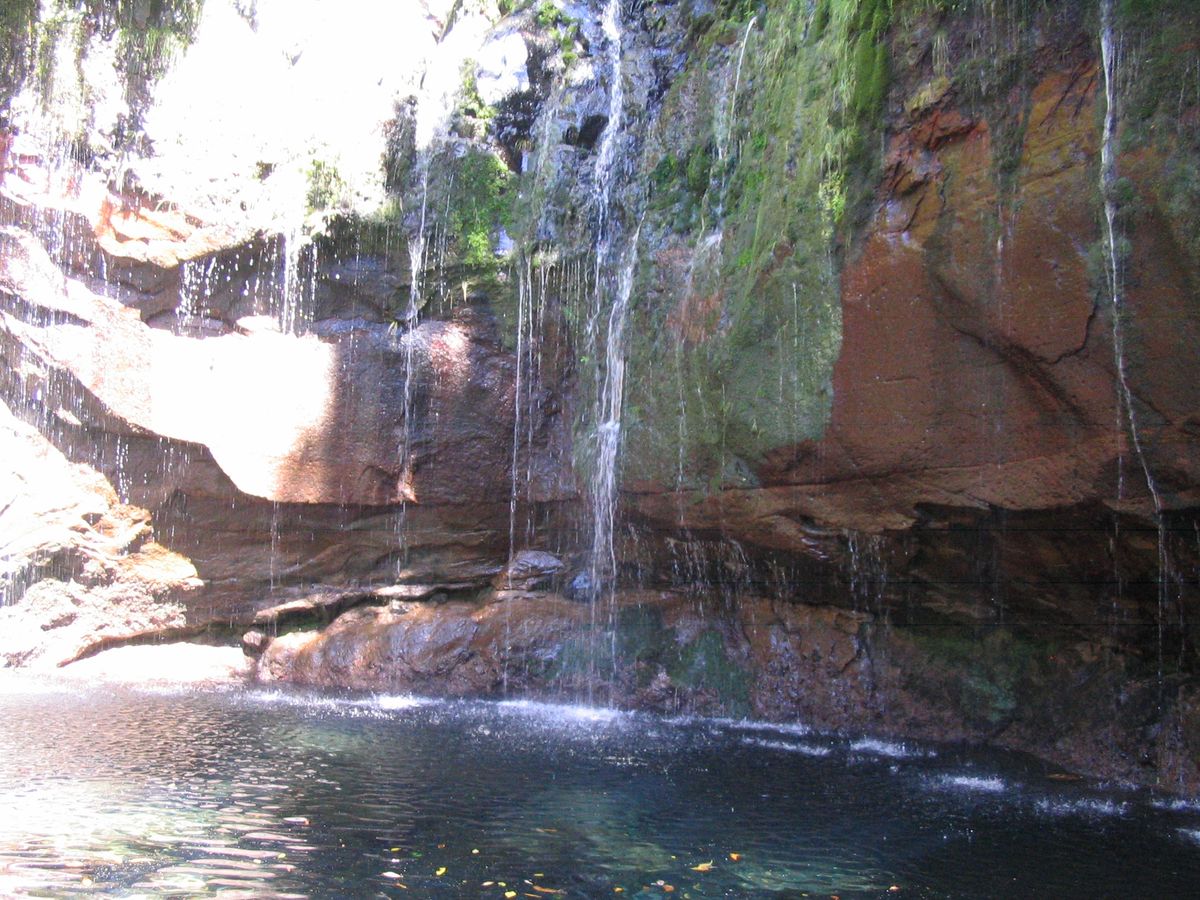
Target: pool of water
[{"x": 261, "y": 793}]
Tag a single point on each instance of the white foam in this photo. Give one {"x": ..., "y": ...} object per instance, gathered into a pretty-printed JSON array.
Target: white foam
[
  {"x": 805, "y": 749},
  {"x": 888, "y": 748},
  {"x": 988, "y": 784},
  {"x": 564, "y": 712},
  {"x": 358, "y": 708},
  {"x": 1192, "y": 834},
  {"x": 774, "y": 727},
  {"x": 391, "y": 702},
  {"x": 1177, "y": 805},
  {"x": 1091, "y": 806}
]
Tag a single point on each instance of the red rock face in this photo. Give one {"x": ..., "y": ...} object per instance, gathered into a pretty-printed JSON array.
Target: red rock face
[{"x": 977, "y": 366}]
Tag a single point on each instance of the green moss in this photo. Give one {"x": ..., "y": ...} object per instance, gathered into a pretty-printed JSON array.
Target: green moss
[
  {"x": 736, "y": 359},
  {"x": 646, "y": 646},
  {"x": 704, "y": 665},
  {"x": 1157, "y": 112},
  {"x": 870, "y": 76},
  {"x": 988, "y": 673}
]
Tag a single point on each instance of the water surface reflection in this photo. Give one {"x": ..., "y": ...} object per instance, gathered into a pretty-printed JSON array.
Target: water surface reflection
[{"x": 287, "y": 794}]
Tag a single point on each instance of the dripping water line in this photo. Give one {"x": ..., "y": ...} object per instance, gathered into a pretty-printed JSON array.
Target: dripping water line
[
  {"x": 1108, "y": 182},
  {"x": 416, "y": 257}
]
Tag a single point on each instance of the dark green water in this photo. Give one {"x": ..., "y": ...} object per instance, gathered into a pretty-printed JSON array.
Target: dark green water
[{"x": 259, "y": 794}]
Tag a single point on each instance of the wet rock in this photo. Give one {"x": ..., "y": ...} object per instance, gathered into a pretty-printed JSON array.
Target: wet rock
[
  {"x": 529, "y": 570},
  {"x": 580, "y": 588},
  {"x": 501, "y": 66},
  {"x": 254, "y": 642}
]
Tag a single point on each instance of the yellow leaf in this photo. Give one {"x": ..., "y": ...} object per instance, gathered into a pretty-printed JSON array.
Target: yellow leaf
[
  {"x": 488, "y": 884},
  {"x": 735, "y": 856},
  {"x": 440, "y": 872},
  {"x": 391, "y": 874},
  {"x": 510, "y": 894},
  {"x": 544, "y": 890},
  {"x": 474, "y": 852},
  {"x": 703, "y": 867},
  {"x": 669, "y": 888}
]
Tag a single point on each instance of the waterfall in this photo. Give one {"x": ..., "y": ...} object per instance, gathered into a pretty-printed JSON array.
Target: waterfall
[
  {"x": 725, "y": 122},
  {"x": 603, "y": 561},
  {"x": 611, "y": 289},
  {"x": 416, "y": 270}
]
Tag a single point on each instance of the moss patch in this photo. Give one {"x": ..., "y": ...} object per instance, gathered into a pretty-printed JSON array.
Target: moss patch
[{"x": 988, "y": 675}]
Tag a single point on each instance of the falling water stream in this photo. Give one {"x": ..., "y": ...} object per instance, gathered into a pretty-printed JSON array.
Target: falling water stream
[
  {"x": 1126, "y": 411},
  {"x": 606, "y": 333}
]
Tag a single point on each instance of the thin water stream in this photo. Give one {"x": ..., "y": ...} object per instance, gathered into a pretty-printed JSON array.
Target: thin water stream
[{"x": 258, "y": 793}]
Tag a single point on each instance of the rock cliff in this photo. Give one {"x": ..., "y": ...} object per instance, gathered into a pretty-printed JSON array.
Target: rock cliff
[{"x": 904, "y": 296}]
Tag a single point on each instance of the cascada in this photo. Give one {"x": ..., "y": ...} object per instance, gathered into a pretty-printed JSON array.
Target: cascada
[{"x": 828, "y": 363}]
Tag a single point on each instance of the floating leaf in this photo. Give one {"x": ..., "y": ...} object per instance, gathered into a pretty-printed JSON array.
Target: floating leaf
[
  {"x": 440, "y": 872},
  {"x": 703, "y": 867},
  {"x": 735, "y": 856},
  {"x": 546, "y": 890},
  {"x": 487, "y": 884},
  {"x": 391, "y": 874},
  {"x": 510, "y": 894},
  {"x": 474, "y": 852},
  {"x": 894, "y": 889}
]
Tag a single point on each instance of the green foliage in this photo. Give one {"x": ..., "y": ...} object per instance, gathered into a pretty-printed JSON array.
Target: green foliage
[
  {"x": 470, "y": 102},
  {"x": 325, "y": 186},
  {"x": 480, "y": 202},
  {"x": 149, "y": 34},
  {"x": 547, "y": 15},
  {"x": 17, "y": 41},
  {"x": 1159, "y": 93}
]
